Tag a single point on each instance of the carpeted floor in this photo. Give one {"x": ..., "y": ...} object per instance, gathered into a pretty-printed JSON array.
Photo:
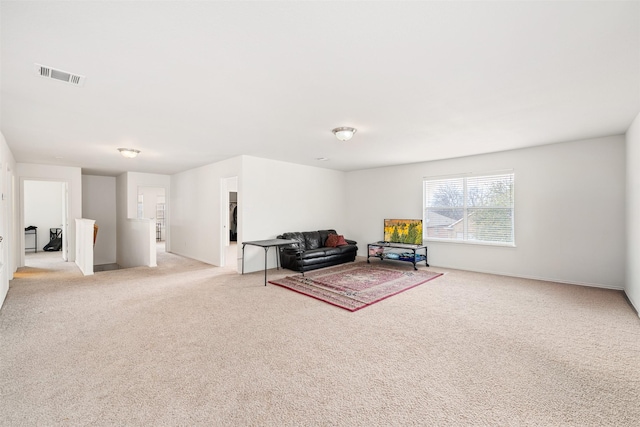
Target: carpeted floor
[{"x": 190, "y": 344}]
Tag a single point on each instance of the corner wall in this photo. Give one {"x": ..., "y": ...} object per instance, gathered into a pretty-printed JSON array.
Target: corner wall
[
  {"x": 9, "y": 246},
  {"x": 194, "y": 225},
  {"x": 135, "y": 241},
  {"x": 569, "y": 212},
  {"x": 84, "y": 245},
  {"x": 139, "y": 179},
  {"x": 99, "y": 203},
  {"x": 73, "y": 177},
  {"x": 273, "y": 197},
  {"x": 277, "y": 197},
  {"x": 632, "y": 285}
]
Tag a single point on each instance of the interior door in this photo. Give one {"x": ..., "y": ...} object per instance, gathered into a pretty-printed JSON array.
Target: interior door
[{"x": 65, "y": 221}]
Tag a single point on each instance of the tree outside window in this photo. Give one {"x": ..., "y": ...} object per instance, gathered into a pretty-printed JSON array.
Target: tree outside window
[{"x": 470, "y": 208}]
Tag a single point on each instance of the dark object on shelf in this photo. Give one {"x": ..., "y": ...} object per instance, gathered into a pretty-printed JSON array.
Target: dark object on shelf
[
  {"x": 313, "y": 252},
  {"x": 55, "y": 240},
  {"x": 408, "y": 256},
  {"x": 379, "y": 250},
  {"x": 233, "y": 232},
  {"x": 31, "y": 230}
]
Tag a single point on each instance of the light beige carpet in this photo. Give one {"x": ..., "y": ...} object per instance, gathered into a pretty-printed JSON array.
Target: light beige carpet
[{"x": 189, "y": 344}]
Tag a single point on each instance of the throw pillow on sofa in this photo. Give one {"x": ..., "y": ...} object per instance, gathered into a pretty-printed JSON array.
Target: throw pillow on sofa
[{"x": 334, "y": 240}]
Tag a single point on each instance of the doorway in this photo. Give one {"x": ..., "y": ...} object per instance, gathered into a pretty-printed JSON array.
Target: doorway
[
  {"x": 45, "y": 220},
  {"x": 152, "y": 204},
  {"x": 229, "y": 229},
  {"x": 6, "y": 221}
]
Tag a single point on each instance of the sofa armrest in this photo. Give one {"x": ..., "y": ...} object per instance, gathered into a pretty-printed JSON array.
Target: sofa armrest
[
  {"x": 290, "y": 249},
  {"x": 351, "y": 242}
]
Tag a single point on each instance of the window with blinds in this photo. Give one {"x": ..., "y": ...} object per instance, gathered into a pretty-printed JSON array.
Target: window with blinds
[{"x": 469, "y": 208}]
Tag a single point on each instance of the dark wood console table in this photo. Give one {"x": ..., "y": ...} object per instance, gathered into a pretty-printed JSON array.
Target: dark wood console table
[{"x": 378, "y": 250}]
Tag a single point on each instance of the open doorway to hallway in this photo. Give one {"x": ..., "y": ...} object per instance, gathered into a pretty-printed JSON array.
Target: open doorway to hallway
[
  {"x": 152, "y": 205},
  {"x": 229, "y": 226},
  {"x": 45, "y": 220},
  {"x": 231, "y": 258}
]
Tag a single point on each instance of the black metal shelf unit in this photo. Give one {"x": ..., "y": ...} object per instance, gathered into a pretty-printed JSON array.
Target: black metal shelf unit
[
  {"x": 380, "y": 250},
  {"x": 31, "y": 230}
]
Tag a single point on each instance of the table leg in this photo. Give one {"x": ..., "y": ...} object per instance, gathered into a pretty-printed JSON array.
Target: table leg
[
  {"x": 243, "y": 258},
  {"x": 266, "y": 250},
  {"x": 299, "y": 257}
]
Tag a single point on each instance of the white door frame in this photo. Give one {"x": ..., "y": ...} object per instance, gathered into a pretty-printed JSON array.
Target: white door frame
[
  {"x": 65, "y": 219},
  {"x": 226, "y": 185}
]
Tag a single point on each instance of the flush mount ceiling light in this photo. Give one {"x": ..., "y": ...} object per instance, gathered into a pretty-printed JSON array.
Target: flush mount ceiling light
[
  {"x": 129, "y": 153},
  {"x": 344, "y": 133}
]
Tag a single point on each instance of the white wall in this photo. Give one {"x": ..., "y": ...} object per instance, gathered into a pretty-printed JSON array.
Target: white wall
[
  {"x": 138, "y": 248},
  {"x": 151, "y": 196},
  {"x": 99, "y": 203},
  {"x": 43, "y": 207},
  {"x": 136, "y": 237},
  {"x": 136, "y": 180},
  {"x": 72, "y": 176},
  {"x": 277, "y": 197},
  {"x": 632, "y": 286},
  {"x": 273, "y": 197},
  {"x": 194, "y": 225},
  {"x": 569, "y": 214},
  {"x": 84, "y": 245},
  {"x": 9, "y": 245}
]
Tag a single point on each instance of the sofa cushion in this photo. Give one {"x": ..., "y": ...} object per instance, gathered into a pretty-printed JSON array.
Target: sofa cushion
[
  {"x": 345, "y": 249},
  {"x": 295, "y": 236},
  {"x": 324, "y": 234},
  {"x": 314, "y": 253},
  {"x": 333, "y": 251},
  {"x": 334, "y": 240},
  {"x": 312, "y": 240}
]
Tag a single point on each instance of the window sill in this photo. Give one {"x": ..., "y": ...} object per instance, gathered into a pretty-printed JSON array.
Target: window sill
[{"x": 473, "y": 243}]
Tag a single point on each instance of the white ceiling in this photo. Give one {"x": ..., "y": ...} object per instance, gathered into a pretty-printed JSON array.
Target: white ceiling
[{"x": 193, "y": 83}]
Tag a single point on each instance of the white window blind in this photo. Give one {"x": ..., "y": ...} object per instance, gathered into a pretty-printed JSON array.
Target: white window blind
[{"x": 470, "y": 208}]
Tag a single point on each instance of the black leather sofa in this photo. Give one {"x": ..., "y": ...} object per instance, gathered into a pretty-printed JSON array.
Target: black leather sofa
[{"x": 312, "y": 252}]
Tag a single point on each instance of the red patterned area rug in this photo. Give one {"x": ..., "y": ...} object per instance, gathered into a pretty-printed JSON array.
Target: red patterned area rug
[{"x": 353, "y": 286}]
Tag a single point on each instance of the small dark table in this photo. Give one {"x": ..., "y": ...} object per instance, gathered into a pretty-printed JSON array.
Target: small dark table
[
  {"x": 266, "y": 244},
  {"x": 413, "y": 248}
]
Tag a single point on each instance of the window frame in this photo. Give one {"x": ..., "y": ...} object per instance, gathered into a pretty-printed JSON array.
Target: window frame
[{"x": 466, "y": 207}]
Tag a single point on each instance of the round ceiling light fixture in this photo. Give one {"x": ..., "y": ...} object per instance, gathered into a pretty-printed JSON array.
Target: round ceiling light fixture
[
  {"x": 344, "y": 133},
  {"x": 129, "y": 153}
]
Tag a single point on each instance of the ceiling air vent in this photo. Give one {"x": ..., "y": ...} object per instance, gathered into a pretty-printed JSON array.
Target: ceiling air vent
[{"x": 63, "y": 76}]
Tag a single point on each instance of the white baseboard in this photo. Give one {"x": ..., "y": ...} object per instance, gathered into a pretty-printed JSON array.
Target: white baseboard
[
  {"x": 544, "y": 279},
  {"x": 633, "y": 304}
]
